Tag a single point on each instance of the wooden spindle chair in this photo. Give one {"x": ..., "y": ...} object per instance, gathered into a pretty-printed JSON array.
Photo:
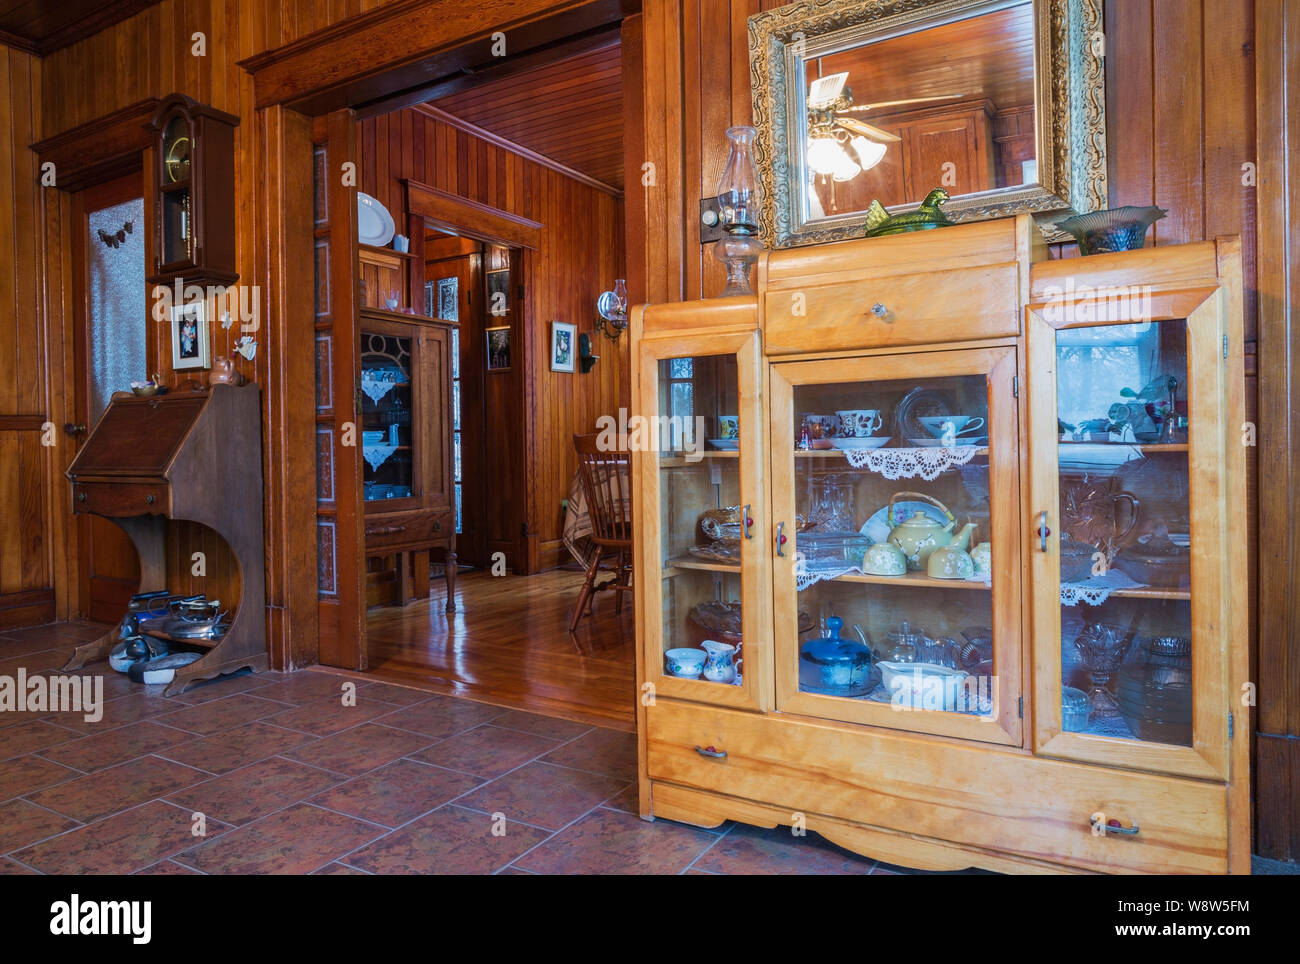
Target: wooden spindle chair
[{"x": 607, "y": 486}]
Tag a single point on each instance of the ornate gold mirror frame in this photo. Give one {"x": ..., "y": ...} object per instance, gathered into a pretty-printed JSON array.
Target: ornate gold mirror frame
[{"x": 1069, "y": 109}]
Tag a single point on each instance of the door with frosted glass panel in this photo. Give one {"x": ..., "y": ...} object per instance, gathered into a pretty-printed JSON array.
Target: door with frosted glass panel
[{"x": 111, "y": 349}]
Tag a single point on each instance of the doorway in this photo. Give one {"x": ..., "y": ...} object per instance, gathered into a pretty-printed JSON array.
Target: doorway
[
  {"x": 110, "y": 349},
  {"x": 456, "y": 216}
]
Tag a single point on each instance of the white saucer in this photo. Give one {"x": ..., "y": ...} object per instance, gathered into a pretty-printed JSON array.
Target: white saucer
[{"x": 874, "y": 442}]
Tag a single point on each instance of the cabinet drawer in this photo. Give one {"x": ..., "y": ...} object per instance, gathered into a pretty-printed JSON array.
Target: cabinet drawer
[
  {"x": 964, "y": 793},
  {"x": 121, "y": 498},
  {"x": 878, "y": 312},
  {"x": 407, "y": 529}
]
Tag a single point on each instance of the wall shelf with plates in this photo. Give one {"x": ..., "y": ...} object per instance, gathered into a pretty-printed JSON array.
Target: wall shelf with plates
[{"x": 1009, "y": 644}]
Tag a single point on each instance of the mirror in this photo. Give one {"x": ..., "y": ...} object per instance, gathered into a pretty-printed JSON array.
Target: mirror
[{"x": 999, "y": 102}]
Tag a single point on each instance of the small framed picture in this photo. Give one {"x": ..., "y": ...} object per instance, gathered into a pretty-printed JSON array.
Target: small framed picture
[
  {"x": 190, "y": 335},
  {"x": 498, "y": 349},
  {"x": 564, "y": 346},
  {"x": 498, "y": 285}
]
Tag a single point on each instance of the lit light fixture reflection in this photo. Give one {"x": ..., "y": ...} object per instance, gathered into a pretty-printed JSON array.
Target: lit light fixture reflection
[
  {"x": 829, "y": 157},
  {"x": 824, "y": 154},
  {"x": 870, "y": 153}
]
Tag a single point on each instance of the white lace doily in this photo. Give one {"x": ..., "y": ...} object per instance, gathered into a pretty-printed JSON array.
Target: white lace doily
[
  {"x": 377, "y": 388},
  {"x": 908, "y": 463},
  {"x": 377, "y": 454},
  {"x": 1095, "y": 589},
  {"x": 805, "y": 577}
]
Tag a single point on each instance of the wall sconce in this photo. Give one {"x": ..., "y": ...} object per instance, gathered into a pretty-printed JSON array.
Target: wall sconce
[
  {"x": 586, "y": 360},
  {"x": 611, "y": 311}
]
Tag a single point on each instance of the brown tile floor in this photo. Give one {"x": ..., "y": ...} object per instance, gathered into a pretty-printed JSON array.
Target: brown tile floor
[{"x": 274, "y": 774}]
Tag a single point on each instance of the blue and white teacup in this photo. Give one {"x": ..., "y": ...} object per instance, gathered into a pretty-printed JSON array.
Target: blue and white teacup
[{"x": 685, "y": 663}]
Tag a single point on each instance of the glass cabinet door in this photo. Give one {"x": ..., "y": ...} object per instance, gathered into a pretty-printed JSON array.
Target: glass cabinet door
[
  {"x": 1126, "y": 443},
  {"x": 698, "y": 439},
  {"x": 386, "y": 410},
  {"x": 897, "y": 574}
]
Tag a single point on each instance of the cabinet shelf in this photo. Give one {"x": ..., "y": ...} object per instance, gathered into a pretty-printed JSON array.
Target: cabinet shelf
[
  {"x": 915, "y": 580},
  {"x": 1151, "y": 592},
  {"x": 1146, "y": 448},
  {"x": 839, "y": 453}
]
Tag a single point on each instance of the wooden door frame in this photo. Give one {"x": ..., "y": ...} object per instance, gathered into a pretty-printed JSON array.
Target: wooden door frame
[
  {"x": 85, "y": 156},
  {"x": 491, "y": 225},
  {"x": 368, "y": 60},
  {"x": 1276, "y": 667}
]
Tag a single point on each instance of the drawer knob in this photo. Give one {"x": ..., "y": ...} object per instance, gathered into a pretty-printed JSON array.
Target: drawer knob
[
  {"x": 711, "y": 751},
  {"x": 1101, "y": 826},
  {"x": 150, "y": 498},
  {"x": 879, "y": 310},
  {"x": 81, "y": 497},
  {"x": 437, "y": 526}
]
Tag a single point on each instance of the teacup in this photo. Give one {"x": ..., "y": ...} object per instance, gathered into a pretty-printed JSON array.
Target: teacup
[
  {"x": 823, "y": 426},
  {"x": 728, "y": 426},
  {"x": 941, "y": 426},
  {"x": 686, "y": 663},
  {"x": 859, "y": 422}
]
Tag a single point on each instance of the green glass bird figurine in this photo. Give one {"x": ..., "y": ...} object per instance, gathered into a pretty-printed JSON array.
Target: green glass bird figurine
[{"x": 880, "y": 222}]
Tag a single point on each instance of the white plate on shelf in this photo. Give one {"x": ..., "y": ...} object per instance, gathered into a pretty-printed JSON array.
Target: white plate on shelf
[
  {"x": 374, "y": 223},
  {"x": 874, "y": 442},
  {"x": 725, "y": 444},
  {"x": 877, "y": 527}
]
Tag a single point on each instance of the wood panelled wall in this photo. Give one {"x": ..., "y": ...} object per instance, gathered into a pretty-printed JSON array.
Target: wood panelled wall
[
  {"x": 581, "y": 254},
  {"x": 1181, "y": 106},
  {"x": 147, "y": 56},
  {"x": 26, "y": 584}
]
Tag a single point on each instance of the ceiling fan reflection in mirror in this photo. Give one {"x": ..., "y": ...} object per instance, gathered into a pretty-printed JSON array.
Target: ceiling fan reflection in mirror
[{"x": 841, "y": 147}]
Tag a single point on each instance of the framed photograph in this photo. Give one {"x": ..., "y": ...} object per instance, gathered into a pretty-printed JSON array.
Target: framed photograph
[
  {"x": 498, "y": 349},
  {"x": 498, "y": 286},
  {"x": 564, "y": 346},
  {"x": 189, "y": 335}
]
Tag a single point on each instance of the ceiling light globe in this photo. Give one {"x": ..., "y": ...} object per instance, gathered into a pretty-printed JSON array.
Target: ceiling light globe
[
  {"x": 870, "y": 153},
  {"x": 824, "y": 155}
]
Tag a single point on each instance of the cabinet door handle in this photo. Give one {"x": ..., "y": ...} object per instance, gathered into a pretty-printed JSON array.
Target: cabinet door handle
[
  {"x": 385, "y": 530},
  {"x": 746, "y": 523},
  {"x": 1112, "y": 826},
  {"x": 81, "y": 497},
  {"x": 1043, "y": 531},
  {"x": 712, "y": 752},
  {"x": 780, "y": 538}
]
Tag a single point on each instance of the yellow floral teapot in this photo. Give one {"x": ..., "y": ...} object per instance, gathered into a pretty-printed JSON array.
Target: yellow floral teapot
[{"x": 919, "y": 534}]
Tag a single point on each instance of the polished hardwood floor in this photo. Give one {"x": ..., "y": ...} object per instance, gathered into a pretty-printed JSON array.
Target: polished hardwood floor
[{"x": 508, "y": 643}]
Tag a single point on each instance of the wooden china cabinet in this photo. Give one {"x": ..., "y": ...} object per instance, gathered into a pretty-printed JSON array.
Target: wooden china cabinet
[
  {"x": 1075, "y": 423},
  {"x": 406, "y": 441}
]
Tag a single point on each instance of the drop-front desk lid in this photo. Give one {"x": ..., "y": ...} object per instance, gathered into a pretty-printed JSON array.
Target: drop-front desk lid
[{"x": 138, "y": 437}]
